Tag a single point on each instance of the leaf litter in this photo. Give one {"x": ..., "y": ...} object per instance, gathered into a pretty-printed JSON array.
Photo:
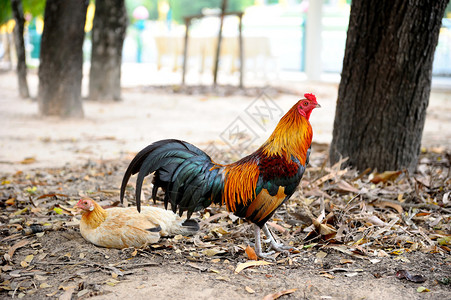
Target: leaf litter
[{"x": 349, "y": 223}]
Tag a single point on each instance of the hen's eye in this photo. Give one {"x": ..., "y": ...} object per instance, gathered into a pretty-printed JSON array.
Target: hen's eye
[{"x": 305, "y": 103}]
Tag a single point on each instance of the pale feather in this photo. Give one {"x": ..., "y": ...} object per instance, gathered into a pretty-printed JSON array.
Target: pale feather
[{"x": 126, "y": 227}]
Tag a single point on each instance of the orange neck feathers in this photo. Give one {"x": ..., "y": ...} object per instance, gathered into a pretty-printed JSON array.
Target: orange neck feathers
[
  {"x": 240, "y": 172},
  {"x": 292, "y": 136},
  {"x": 95, "y": 217}
]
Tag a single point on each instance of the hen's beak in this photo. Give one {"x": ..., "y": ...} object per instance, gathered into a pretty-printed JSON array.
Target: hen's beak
[
  {"x": 317, "y": 105},
  {"x": 77, "y": 209}
]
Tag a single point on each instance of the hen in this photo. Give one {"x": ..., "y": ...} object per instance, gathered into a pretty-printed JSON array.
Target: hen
[
  {"x": 252, "y": 188},
  {"x": 119, "y": 227}
]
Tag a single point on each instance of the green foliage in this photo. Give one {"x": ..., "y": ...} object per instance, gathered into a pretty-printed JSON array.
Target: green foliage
[
  {"x": 33, "y": 7},
  {"x": 5, "y": 11},
  {"x": 239, "y": 5},
  {"x": 448, "y": 11},
  {"x": 183, "y": 8},
  {"x": 151, "y": 5}
]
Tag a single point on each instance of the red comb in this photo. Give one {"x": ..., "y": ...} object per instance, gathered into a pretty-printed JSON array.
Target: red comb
[{"x": 310, "y": 97}]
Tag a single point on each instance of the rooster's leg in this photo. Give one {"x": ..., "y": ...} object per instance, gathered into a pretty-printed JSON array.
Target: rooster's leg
[
  {"x": 258, "y": 243},
  {"x": 274, "y": 244}
]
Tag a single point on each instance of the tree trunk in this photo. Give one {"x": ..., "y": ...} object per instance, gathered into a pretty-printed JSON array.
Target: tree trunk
[
  {"x": 60, "y": 70},
  {"x": 17, "y": 10},
  {"x": 386, "y": 82},
  {"x": 108, "y": 33}
]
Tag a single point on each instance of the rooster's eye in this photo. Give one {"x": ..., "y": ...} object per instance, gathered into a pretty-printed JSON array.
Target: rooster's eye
[{"x": 305, "y": 103}]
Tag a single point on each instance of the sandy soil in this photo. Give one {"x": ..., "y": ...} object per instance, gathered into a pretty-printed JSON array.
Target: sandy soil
[
  {"x": 115, "y": 130},
  {"x": 110, "y": 130}
]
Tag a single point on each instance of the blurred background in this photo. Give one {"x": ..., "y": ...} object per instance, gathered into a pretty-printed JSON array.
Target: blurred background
[
  {"x": 274, "y": 37},
  {"x": 290, "y": 47}
]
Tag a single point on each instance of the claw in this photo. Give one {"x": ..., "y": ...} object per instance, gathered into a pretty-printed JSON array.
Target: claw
[
  {"x": 274, "y": 244},
  {"x": 258, "y": 244},
  {"x": 279, "y": 247}
]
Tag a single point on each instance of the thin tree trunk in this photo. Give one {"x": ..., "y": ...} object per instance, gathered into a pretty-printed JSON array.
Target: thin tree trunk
[
  {"x": 17, "y": 10},
  {"x": 218, "y": 46},
  {"x": 108, "y": 33},
  {"x": 386, "y": 82},
  {"x": 60, "y": 70}
]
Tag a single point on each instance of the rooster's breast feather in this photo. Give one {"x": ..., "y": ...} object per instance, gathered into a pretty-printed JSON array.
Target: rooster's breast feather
[{"x": 277, "y": 180}]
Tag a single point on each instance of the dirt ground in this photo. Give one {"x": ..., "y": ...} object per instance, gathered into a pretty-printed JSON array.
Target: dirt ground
[{"x": 46, "y": 164}]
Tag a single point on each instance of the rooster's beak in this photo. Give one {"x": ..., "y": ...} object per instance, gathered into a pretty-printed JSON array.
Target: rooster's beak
[{"x": 317, "y": 105}]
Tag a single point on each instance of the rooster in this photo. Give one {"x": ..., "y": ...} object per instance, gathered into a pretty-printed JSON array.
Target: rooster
[
  {"x": 252, "y": 188},
  {"x": 120, "y": 227}
]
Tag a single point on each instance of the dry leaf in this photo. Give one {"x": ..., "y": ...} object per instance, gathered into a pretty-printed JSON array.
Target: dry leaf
[
  {"x": 65, "y": 288},
  {"x": 213, "y": 252},
  {"x": 375, "y": 221},
  {"x": 374, "y": 260},
  {"x": 422, "y": 289},
  {"x": 67, "y": 295},
  {"x": 28, "y": 160},
  {"x": 384, "y": 204},
  {"x": 343, "y": 186},
  {"x": 445, "y": 199},
  {"x": 84, "y": 292},
  {"x": 10, "y": 201},
  {"x": 327, "y": 275},
  {"x": 279, "y": 294},
  {"x": 223, "y": 278},
  {"x": 326, "y": 229},
  {"x": 251, "y": 253},
  {"x": 16, "y": 246},
  {"x": 44, "y": 285},
  {"x": 26, "y": 262},
  {"x": 404, "y": 274},
  {"x": 240, "y": 267},
  {"x": 112, "y": 282},
  {"x": 385, "y": 176},
  {"x": 52, "y": 294},
  {"x": 220, "y": 230},
  {"x": 40, "y": 278},
  {"x": 277, "y": 227},
  {"x": 249, "y": 290},
  {"x": 346, "y": 261}
]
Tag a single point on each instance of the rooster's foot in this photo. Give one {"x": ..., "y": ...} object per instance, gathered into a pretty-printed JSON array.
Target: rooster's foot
[
  {"x": 274, "y": 244},
  {"x": 279, "y": 247}
]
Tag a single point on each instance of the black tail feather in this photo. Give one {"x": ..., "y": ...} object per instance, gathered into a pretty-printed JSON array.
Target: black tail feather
[
  {"x": 186, "y": 174},
  {"x": 192, "y": 225}
]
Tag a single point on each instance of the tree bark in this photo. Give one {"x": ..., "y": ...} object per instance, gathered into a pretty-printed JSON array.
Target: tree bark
[
  {"x": 386, "y": 83},
  {"x": 16, "y": 6},
  {"x": 61, "y": 58},
  {"x": 108, "y": 33}
]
